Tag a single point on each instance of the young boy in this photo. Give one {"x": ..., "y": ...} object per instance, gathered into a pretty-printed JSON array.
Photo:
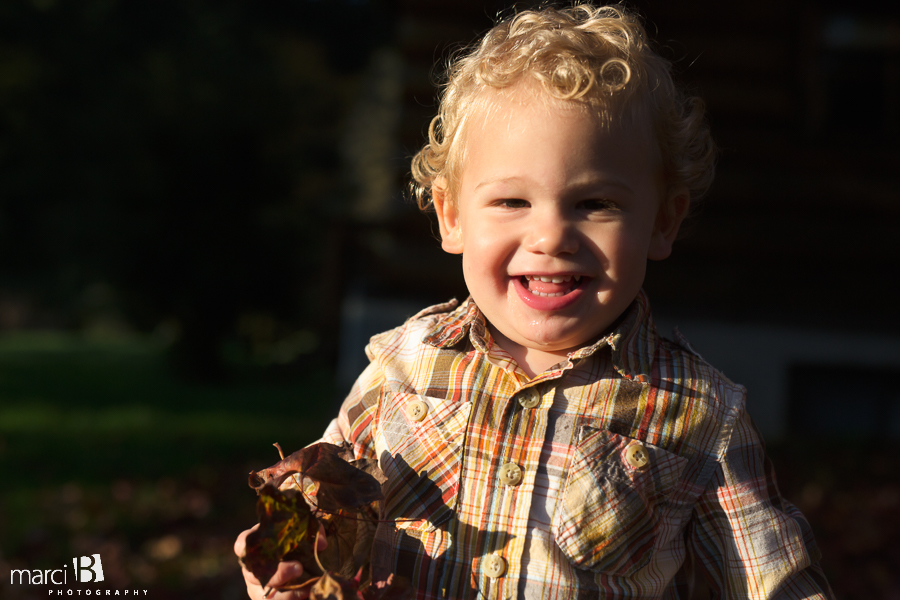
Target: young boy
[{"x": 541, "y": 440}]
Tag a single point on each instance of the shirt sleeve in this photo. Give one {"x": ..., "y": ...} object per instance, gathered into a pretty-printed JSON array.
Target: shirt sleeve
[
  {"x": 358, "y": 413},
  {"x": 747, "y": 541}
]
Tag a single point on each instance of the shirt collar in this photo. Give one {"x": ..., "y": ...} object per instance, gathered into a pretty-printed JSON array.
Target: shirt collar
[
  {"x": 632, "y": 342},
  {"x": 454, "y": 326}
]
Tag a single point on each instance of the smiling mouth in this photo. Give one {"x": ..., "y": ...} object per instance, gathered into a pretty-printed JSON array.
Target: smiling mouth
[{"x": 550, "y": 286}]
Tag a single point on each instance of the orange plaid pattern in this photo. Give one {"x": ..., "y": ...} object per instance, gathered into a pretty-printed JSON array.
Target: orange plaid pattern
[{"x": 626, "y": 471}]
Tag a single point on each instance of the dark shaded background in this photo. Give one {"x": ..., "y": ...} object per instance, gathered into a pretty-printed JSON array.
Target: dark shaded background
[{"x": 202, "y": 214}]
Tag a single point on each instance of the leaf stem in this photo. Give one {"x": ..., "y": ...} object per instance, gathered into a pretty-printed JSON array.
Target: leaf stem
[{"x": 316, "y": 551}]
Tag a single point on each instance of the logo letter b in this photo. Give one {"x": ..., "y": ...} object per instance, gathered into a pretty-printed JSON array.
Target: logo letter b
[{"x": 92, "y": 564}]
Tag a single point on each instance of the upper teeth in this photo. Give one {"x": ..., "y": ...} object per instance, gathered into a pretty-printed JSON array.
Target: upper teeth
[{"x": 554, "y": 279}]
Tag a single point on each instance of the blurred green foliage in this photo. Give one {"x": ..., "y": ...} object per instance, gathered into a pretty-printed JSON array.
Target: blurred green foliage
[{"x": 93, "y": 411}]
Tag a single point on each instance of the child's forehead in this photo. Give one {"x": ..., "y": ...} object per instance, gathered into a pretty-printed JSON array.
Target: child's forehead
[
  {"x": 506, "y": 105},
  {"x": 490, "y": 101}
]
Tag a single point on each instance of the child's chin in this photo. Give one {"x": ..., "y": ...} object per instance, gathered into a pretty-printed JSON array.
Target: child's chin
[{"x": 547, "y": 338}]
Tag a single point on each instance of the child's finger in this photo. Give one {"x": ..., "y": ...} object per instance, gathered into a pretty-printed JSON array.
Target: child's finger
[
  {"x": 240, "y": 544},
  {"x": 321, "y": 540},
  {"x": 286, "y": 572}
]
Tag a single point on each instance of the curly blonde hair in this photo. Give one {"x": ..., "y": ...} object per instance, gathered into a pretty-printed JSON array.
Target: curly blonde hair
[{"x": 599, "y": 56}]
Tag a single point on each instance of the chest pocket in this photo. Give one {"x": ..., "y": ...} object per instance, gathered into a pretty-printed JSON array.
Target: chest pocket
[
  {"x": 420, "y": 445},
  {"x": 614, "y": 501}
]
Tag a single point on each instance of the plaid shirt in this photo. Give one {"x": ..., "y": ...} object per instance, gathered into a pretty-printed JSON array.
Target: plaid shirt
[{"x": 626, "y": 471}]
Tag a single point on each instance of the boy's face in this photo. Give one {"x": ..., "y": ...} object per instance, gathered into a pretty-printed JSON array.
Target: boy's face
[{"x": 555, "y": 218}]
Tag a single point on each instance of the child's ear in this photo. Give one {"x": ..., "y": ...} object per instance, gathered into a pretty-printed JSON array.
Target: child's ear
[
  {"x": 668, "y": 220},
  {"x": 448, "y": 217}
]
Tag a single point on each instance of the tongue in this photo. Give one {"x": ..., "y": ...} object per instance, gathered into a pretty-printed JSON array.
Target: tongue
[{"x": 550, "y": 288}]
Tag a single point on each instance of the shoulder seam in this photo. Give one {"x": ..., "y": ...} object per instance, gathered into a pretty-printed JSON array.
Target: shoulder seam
[{"x": 424, "y": 319}]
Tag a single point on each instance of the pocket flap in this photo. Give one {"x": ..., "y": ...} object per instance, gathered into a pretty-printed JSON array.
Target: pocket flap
[
  {"x": 613, "y": 500},
  {"x": 421, "y": 449}
]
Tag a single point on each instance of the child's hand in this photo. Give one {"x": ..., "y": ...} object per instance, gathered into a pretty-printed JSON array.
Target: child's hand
[{"x": 286, "y": 572}]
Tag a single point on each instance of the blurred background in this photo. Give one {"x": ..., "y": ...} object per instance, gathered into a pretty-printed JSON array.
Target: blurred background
[{"x": 202, "y": 220}]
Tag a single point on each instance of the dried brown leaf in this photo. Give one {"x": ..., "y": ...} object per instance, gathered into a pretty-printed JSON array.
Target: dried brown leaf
[
  {"x": 347, "y": 495},
  {"x": 331, "y": 587},
  {"x": 286, "y": 531},
  {"x": 341, "y": 485}
]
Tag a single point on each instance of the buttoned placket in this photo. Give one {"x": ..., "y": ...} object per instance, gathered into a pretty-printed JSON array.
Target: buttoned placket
[
  {"x": 493, "y": 517},
  {"x": 520, "y": 418}
]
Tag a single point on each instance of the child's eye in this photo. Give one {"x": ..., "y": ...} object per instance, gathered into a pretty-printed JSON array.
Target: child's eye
[
  {"x": 597, "y": 205},
  {"x": 513, "y": 203}
]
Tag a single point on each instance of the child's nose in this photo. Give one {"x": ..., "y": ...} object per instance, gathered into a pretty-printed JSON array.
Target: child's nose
[{"x": 553, "y": 235}]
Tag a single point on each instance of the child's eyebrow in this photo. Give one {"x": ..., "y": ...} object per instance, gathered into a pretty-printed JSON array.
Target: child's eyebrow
[
  {"x": 501, "y": 180},
  {"x": 596, "y": 182}
]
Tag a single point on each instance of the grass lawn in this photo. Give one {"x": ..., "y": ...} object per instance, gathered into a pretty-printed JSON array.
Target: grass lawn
[{"x": 102, "y": 450}]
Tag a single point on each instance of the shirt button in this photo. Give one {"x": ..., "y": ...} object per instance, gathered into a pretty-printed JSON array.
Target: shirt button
[
  {"x": 494, "y": 566},
  {"x": 529, "y": 398},
  {"x": 416, "y": 410},
  {"x": 636, "y": 456},
  {"x": 510, "y": 474}
]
